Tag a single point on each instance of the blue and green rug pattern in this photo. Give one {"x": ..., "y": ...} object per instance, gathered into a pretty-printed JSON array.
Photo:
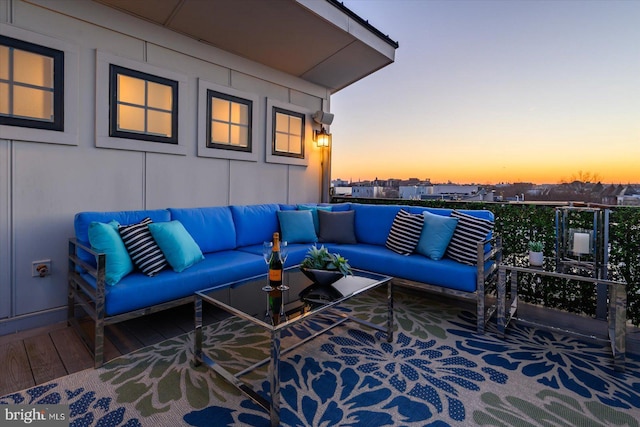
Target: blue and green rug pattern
[{"x": 436, "y": 372}]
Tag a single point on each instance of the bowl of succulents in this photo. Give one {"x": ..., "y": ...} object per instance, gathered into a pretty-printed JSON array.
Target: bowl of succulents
[{"x": 324, "y": 267}]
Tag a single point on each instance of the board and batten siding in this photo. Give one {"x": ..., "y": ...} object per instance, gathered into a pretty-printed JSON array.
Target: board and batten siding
[{"x": 44, "y": 183}]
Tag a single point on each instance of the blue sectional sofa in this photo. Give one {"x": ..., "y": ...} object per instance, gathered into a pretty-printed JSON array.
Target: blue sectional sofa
[{"x": 228, "y": 241}]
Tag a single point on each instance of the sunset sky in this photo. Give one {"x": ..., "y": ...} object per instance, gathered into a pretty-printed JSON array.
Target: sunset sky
[{"x": 496, "y": 91}]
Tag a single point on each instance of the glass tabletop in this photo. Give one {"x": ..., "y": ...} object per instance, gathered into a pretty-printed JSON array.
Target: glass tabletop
[{"x": 278, "y": 308}]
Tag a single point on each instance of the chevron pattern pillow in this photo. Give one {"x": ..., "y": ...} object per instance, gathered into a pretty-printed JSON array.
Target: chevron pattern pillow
[
  {"x": 405, "y": 232},
  {"x": 143, "y": 249},
  {"x": 469, "y": 231}
]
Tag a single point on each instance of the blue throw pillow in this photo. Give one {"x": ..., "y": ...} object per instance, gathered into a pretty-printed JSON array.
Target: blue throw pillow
[
  {"x": 314, "y": 213},
  {"x": 297, "y": 227},
  {"x": 177, "y": 244},
  {"x": 436, "y": 235},
  {"x": 104, "y": 238}
]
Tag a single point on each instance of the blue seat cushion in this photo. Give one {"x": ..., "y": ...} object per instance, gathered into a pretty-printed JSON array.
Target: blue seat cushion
[
  {"x": 82, "y": 220},
  {"x": 137, "y": 291},
  {"x": 373, "y": 222},
  {"x": 211, "y": 227},
  {"x": 255, "y": 223},
  {"x": 445, "y": 272}
]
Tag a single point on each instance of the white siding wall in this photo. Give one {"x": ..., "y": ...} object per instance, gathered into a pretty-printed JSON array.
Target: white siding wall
[{"x": 42, "y": 185}]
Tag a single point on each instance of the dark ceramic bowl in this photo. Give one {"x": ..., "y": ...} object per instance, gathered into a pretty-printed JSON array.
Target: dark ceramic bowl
[{"x": 322, "y": 277}]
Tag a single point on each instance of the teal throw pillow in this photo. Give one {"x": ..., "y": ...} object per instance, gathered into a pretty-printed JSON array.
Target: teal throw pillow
[
  {"x": 297, "y": 227},
  {"x": 314, "y": 213},
  {"x": 177, "y": 244},
  {"x": 436, "y": 234},
  {"x": 104, "y": 238}
]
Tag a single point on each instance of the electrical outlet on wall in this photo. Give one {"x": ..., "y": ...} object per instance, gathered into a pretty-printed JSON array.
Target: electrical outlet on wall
[{"x": 41, "y": 268}]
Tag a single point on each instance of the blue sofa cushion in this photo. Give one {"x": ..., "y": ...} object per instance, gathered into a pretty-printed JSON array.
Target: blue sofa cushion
[
  {"x": 445, "y": 272},
  {"x": 142, "y": 247},
  {"x": 255, "y": 223},
  {"x": 469, "y": 231},
  {"x": 104, "y": 238},
  {"x": 218, "y": 269},
  {"x": 405, "y": 232},
  {"x": 297, "y": 226},
  {"x": 177, "y": 244},
  {"x": 373, "y": 222},
  {"x": 314, "y": 213},
  {"x": 82, "y": 220},
  {"x": 211, "y": 227},
  {"x": 436, "y": 235},
  {"x": 337, "y": 227}
]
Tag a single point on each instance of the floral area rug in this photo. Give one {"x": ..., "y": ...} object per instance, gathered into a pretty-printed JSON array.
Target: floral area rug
[{"x": 436, "y": 372}]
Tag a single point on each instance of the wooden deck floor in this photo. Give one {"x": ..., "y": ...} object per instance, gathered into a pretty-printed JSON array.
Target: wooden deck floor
[{"x": 39, "y": 355}]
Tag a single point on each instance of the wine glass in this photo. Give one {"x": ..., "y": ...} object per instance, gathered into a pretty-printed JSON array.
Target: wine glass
[
  {"x": 267, "y": 251},
  {"x": 284, "y": 253}
]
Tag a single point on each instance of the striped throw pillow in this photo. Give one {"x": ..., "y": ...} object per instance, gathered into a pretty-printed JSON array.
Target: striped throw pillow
[
  {"x": 405, "y": 232},
  {"x": 469, "y": 231},
  {"x": 143, "y": 249}
]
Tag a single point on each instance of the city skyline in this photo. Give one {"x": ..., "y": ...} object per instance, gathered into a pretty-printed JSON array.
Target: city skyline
[{"x": 494, "y": 91}]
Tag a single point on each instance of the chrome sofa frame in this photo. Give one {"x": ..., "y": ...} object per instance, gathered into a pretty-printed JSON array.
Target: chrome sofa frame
[
  {"x": 486, "y": 304},
  {"x": 92, "y": 301}
]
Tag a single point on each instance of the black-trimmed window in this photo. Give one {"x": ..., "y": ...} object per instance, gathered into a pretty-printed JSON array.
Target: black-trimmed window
[
  {"x": 230, "y": 119},
  {"x": 31, "y": 85},
  {"x": 143, "y": 106},
  {"x": 288, "y": 133}
]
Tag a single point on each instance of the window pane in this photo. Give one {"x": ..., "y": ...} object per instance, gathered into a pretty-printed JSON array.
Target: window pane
[
  {"x": 33, "y": 103},
  {"x": 4, "y": 62},
  {"x": 295, "y": 125},
  {"x": 220, "y": 133},
  {"x": 295, "y": 144},
  {"x": 282, "y": 142},
  {"x": 220, "y": 109},
  {"x": 4, "y": 98},
  {"x": 159, "y": 96},
  {"x": 239, "y": 113},
  {"x": 130, "y": 118},
  {"x": 32, "y": 68},
  {"x": 282, "y": 123},
  {"x": 130, "y": 90},
  {"x": 239, "y": 136},
  {"x": 159, "y": 123}
]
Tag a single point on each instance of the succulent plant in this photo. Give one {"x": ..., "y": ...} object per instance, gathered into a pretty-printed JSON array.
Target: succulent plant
[
  {"x": 535, "y": 246},
  {"x": 322, "y": 259}
]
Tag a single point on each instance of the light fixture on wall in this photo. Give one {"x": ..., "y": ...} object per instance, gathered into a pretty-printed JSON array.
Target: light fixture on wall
[{"x": 321, "y": 137}]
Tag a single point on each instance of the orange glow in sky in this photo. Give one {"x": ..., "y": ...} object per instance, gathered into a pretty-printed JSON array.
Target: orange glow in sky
[{"x": 495, "y": 91}]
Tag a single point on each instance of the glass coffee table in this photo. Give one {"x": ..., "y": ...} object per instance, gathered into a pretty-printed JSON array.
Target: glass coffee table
[{"x": 302, "y": 300}]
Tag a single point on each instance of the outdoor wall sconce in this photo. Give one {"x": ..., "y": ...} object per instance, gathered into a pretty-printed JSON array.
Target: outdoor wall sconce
[{"x": 321, "y": 137}]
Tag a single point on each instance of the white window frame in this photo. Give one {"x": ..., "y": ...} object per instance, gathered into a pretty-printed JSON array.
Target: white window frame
[
  {"x": 104, "y": 140},
  {"x": 69, "y": 134},
  {"x": 204, "y": 121},
  {"x": 271, "y": 157}
]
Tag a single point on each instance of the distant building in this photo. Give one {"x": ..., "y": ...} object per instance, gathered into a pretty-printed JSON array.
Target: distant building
[
  {"x": 339, "y": 183},
  {"x": 370, "y": 191},
  {"x": 412, "y": 192}
]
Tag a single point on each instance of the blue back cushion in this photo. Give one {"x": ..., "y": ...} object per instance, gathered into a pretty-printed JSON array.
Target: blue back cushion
[
  {"x": 211, "y": 227},
  {"x": 255, "y": 223},
  {"x": 373, "y": 222},
  {"x": 82, "y": 221}
]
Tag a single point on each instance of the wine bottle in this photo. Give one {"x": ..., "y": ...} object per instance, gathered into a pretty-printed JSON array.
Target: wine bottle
[
  {"x": 275, "y": 280},
  {"x": 275, "y": 264}
]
